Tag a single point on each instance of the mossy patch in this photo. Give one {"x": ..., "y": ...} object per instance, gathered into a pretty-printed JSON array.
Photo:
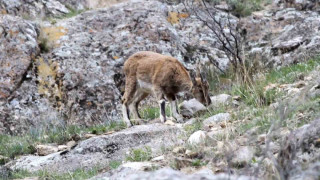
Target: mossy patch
[{"x": 53, "y": 34}]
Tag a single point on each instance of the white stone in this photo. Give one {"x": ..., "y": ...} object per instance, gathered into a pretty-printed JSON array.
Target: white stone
[
  {"x": 217, "y": 118},
  {"x": 197, "y": 138},
  {"x": 220, "y": 100},
  {"x": 159, "y": 158}
]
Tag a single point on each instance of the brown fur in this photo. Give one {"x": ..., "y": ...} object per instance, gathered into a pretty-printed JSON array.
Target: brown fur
[{"x": 148, "y": 72}]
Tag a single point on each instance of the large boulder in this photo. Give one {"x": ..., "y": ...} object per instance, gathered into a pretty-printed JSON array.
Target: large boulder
[
  {"x": 282, "y": 36},
  {"x": 299, "y": 4},
  {"x": 94, "y": 45},
  {"x": 18, "y": 49},
  {"x": 217, "y": 119},
  {"x": 32, "y": 9},
  {"x": 100, "y": 150}
]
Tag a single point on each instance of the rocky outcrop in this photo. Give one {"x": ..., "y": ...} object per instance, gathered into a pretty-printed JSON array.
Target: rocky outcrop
[
  {"x": 30, "y": 9},
  {"x": 281, "y": 36},
  {"x": 301, "y": 147},
  {"x": 18, "y": 49},
  {"x": 100, "y": 150},
  {"x": 299, "y": 4},
  {"x": 80, "y": 81}
]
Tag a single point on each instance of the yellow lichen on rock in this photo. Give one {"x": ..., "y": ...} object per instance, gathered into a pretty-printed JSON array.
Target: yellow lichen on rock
[
  {"x": 47, "y": 75},
  {"x": 53, "y": 34},
  {"x": 174, "y": 17},
  {"x": 3, "y": 11}
]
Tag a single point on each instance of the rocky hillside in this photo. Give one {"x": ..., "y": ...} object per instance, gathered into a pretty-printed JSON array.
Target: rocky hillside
[
  {"x": 68, "y": 70},
  {"x": 61, "y": 82}
]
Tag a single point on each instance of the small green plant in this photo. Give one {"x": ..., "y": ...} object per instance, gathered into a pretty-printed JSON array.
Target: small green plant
[
  {"x": 198, "y": 163},
  {"x": 44, "y": 45},
  {"x": 72, "y": 12},
  {"x": 114, "y": 164},
  {"x": 150, "y": 113},
  {"x": 197, "y": 125},
  {"x": 138, "y": 155}
]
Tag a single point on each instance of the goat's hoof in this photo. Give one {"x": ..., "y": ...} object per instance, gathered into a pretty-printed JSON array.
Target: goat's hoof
[
  {"x": 129, "y": 124},
  {"x": 169, "y": 122},
  {"x": 137, "y": 122}
]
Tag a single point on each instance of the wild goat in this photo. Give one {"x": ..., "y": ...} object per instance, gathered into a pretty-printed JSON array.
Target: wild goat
[{"x": 164, "y": 76}]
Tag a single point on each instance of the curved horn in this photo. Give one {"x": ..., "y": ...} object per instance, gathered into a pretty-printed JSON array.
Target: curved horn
[{"x": 198, "y": 74}]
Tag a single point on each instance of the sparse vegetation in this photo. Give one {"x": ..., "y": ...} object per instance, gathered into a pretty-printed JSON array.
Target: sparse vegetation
[
  {"x": 242, "y": 8},
  {"x": 114, "y": 164},
  {"x": 148, "y": 113},
  {"x": 140, "y": 154},
  {"x": 193, "y": 127},
  {"x": 12, "y": 146},
  {"x": 46, "y": 175},
  {"x": 72, "y": 12},
  {"x": 198, "y": 163}
]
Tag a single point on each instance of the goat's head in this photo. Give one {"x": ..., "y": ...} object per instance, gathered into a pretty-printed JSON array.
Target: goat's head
[{"x": 200, "y": 88}]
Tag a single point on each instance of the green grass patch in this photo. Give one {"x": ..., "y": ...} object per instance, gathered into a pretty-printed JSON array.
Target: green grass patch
[
  {"x": 72, "y": 12},
  {"x": 193, "y": 127},
  {"x": 292, "y": 73},
  {"x": 114, "y": 164},
  {"x": 140, "y": 154},
  {"x": 149, "y": 113},
  {"x": 77, "y": 174},
  {"x": 255, "y": 94},
  {"x": 198, "y": 163}
]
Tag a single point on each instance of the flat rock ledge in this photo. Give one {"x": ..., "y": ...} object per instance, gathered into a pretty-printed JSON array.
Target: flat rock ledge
[
  {"x": 165, "y": 173},
  {"x": 100, "y": 150}
]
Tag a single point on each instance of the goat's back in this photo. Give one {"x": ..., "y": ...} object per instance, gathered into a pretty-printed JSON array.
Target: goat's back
[{"x": 154, "y": 68}]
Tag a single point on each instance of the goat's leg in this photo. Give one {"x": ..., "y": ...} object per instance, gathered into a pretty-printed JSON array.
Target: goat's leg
[
  {"x": 161, "y": 101},
  {"x": 139, "y": 95},
  {"x": 174, "y": 111},
  {"x": 130, "y": 89}
]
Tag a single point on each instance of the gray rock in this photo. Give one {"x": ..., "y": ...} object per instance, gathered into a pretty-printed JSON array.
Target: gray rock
[
  {"x": 18, "y": 48},
  {"x": 190, "y": 107},
  {"x": 217, "y": 118},
  {"x": 198, "y": 138},
  {"x": 44, "y": 150},
  {"x": 243, "y": 156},
  {"x": 35, "y": 9},
  {"x": 140, "y": 166},
  {"x": 166, "y": 174},
  {"x": 221, "y": 100},
  {"x": 280, "y": 38},
  {"x": 102, "y": 149},
  {"x": 300, "y": 4},
  {"x": 4, "y": 172}
]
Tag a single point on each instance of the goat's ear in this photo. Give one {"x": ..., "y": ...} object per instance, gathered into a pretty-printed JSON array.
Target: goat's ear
[
  {"x": 203, "y": 76},
  {"x": 200, "y": 73}
]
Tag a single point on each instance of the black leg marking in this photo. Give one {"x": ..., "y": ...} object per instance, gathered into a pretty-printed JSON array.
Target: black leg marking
[{"x": 163, "y": 110}]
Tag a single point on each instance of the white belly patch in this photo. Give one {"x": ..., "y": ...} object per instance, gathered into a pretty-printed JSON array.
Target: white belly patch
[{"x": 145, "y": 86}]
